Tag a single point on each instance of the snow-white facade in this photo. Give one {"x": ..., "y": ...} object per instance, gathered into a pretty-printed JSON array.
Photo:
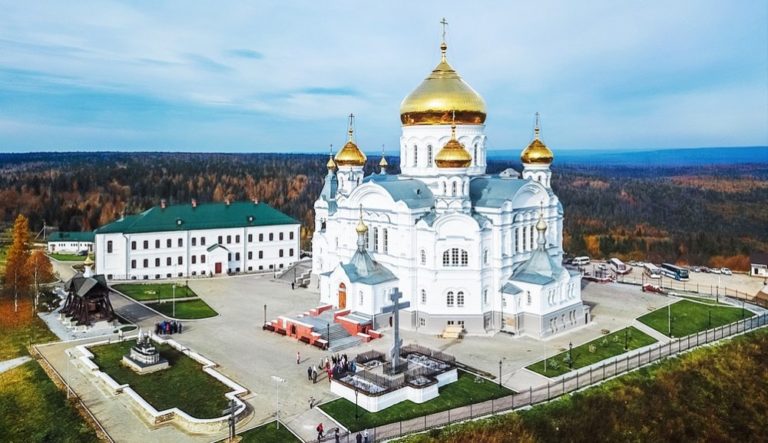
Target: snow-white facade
[
  {"x": 454, "y": 238},
  {"x": 197, "y": 240}
]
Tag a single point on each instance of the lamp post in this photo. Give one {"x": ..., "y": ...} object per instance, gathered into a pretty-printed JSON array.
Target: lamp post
[
  {"x": 265, "y": 313},
  {"x": 669, "y": 318},
  {"x": 626, "y": 339},
  {"x": 570, "y": 355},
  {"x": 499, "y": 373},
  {"x": 356, "y": 392},
  {"x": 328, "y": 334},
  {"x": 277, "y": 381},
  {"x": 174, "y": 300},
  {"x": 709, "y": 324}
]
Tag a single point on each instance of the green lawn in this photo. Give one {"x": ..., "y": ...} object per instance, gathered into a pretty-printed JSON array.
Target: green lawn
[
  {"x": 15, "y": 339},
  {"x": 689, "y": 317},
  {"x": 185, "y": 310},
  {"x": 66, "y": 257},
  {"x": 183, "y": 385},
  {"x": 467, "y": 389},
  {"x": 268, "y": 433},
  {"x": 594, "y": 351},
  {"x": 153, "y": 291},
  {"x": 35, "y": 410}
]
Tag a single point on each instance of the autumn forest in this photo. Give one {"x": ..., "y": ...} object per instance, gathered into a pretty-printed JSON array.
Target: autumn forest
[{"x": 709, "y": 215}]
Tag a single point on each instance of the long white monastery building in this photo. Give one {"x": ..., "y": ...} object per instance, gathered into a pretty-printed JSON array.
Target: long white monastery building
[
  {"x": 465, "y": 248},
  {"x": 197, "y": 240}
]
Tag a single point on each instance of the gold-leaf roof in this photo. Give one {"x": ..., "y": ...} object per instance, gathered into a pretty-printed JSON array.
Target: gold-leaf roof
[
  {"x": 350, "y": 154},
  {"x": 453, "y": 154},
  {"x": 441, "y": 94},
  {"x": 537, "y": 152}
]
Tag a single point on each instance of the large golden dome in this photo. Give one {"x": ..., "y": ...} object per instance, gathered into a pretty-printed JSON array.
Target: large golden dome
[
  {"x": 453, "y": 154},
  {"x": 350, "y": 154},
  {"x": 537, "y": 152},
  {"x": 439, "y": 95}
]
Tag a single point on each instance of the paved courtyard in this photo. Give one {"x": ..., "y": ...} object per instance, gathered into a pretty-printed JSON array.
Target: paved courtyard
[{"x": 234, "y": 339}]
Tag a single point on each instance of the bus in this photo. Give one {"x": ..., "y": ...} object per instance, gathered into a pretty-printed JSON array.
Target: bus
[
  {"x": 651, "y": 270},
  {"x": 675, "y": 272},
  {"x": 619, "y": 267},
  {"x": 580, "y": 261}
]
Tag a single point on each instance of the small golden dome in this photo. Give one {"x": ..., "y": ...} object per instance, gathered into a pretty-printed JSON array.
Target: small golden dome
[
  {"x": 453, "y": 154},
  {"x": 541, "y": 225},
  {"x": 350, "y": 154},
  {"x": 88, "y": 261},
  {"x": 331, "y": 164},
  {"x": 361, "y": 227},
  {"x": 383, "y": 162},
  {"x": 537, "y": 152},
  {"x": 439, "y": 95}
]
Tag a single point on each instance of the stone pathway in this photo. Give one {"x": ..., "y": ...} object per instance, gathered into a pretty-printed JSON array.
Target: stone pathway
[
  {"x": 305, "y": 424},
  {"x": 650, "y": 331},
  {"x": 7, "y": 365}
]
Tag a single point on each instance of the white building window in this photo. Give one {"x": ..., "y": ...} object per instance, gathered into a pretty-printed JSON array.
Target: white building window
[
  {"x": 451, "y": 257},
  {"x": 449, "y": 299},
  {"x": 517, "y": 240},
  {"x": 423, "y": 257},
  {"x": 386, "y": 240},
  {"x": 464, "y": 258},
  {"x": 485, "y": 257},
  {"x": 415, "y": 155},
  {"x": 460, "y": 299},
  {"x": 485, "y": 296},
  {"x": 531, "y": 231},
  {"x": 423, "y": 296},
  {"x": 453, "y": 189},
  {"x": 375, "y": 239},
  {"x": 475, "y": 161},
  {"x": 422, "y": 322},
  {"x": 529, "y": 297},
  {"x": 360, "y": 303},
  {"x": 446, "y": 258},
  {"x": 429, "y": 155}
]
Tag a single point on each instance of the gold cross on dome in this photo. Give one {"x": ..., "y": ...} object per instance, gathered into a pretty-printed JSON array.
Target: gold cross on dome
[{"x": 444, "y": 22}]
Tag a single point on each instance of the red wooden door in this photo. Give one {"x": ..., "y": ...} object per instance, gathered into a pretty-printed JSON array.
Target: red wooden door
[{"x": 218, "y": 268}]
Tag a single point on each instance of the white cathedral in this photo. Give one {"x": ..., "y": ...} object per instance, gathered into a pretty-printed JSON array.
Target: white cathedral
[{"x": 465, "y": 248}]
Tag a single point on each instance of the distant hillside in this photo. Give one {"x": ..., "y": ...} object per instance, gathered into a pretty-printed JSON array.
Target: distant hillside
[
  {"x": 663, "y": 157},
  {"x": 704, "y": 213}
]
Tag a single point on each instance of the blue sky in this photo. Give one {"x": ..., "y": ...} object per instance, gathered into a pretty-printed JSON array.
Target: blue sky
[{"x": 281, "y": 76}]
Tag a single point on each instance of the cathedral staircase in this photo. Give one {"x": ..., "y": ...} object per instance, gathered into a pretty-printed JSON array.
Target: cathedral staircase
[
  {"x": 298, "y": 273},
  {"x": 328, "y": 329}
]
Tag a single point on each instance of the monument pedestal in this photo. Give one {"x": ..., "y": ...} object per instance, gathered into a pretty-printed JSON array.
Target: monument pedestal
[{"x": 144, "y": 358}]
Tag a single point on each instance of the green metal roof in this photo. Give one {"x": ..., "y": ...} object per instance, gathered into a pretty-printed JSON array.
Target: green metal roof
[
  {"x": 203, "y": 216},
  {"x": 71, "y": 236}
]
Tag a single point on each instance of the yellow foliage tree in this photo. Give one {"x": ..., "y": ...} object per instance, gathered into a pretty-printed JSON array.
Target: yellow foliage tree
[
  {"x": 40, "y": 271},
  {"x": 17, "y": 277}
]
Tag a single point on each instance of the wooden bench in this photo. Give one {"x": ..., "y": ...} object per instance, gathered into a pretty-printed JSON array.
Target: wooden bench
[{"x": 452, "y": 332}]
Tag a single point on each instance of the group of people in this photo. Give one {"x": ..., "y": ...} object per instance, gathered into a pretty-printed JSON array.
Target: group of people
[
  {"x": 168, "y": 327},
  {"x": 334, "y": 367},
  {"x": 359, "y": 438}
]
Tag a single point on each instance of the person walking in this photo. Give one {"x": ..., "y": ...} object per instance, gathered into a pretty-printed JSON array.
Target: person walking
[
  {"x": 314, "y": 375},
  {"x": 298, "y": 358},
  {"x": 309, "y": 372},
  {"x": 359, "y": 438},
  {"x": 319, "y": 431},
  {"x": 336, "y": 435},
  {"x": 365, "y": 436}
]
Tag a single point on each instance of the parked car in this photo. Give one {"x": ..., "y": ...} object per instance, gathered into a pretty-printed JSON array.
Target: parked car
[
  {"x": 726, "y": 271},
  {"x": 715, "y": 270},
  {"x": 705, "y": 270}
]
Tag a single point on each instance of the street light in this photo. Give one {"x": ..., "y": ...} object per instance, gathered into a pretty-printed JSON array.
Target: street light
[
  {"x": 499, "y": 373},
  {"x": 570, "y": 355},
  {"x": 174, "y": 300},
  {"x": 669, "y": 318},
  {"x": 277, "y": 381},
  {"x": 356, "y": 392},
  {"x": 265, "y": 313}
]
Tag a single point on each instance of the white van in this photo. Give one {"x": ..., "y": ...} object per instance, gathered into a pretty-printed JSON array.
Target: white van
[{"x": 581, "y": 261}]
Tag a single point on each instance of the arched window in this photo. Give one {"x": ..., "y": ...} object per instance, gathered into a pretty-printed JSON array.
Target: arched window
[
  {"x": 423, "y": 257},
  {"x": 386, "y": 241},
  {"x": 449, "y": 299},
  {"x": 529, "y": 297},
  {"x": 423, "y": 296},
  {"x": 475, "y": 160},
  {"x": 429, "y": 155},
  {"x": 453, "y": 189},
  {"x": 485, "y": 296},
  {"x": 464, "y": 258},
  {"x": 375, "y": 239},
  {"x": 446, "y": 258},
  {"x": 485, "y": 256},
  {"x": 445, "y": 189},
  {"x": 455, "y": 257},
  {"x": 460, "y": 299},
  {"x": 531, "y": 232},
  {"x": 525, "y": 238},
  {"x": 415, "y": 155},
  {"x": 517, "y": 240}
]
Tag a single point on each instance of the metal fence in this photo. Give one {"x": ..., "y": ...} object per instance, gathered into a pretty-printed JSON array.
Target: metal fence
[
  {"x": 570, "y": 382},
  {"x": 693, "y": 288},
  {"x": 72, "y": 395}
]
